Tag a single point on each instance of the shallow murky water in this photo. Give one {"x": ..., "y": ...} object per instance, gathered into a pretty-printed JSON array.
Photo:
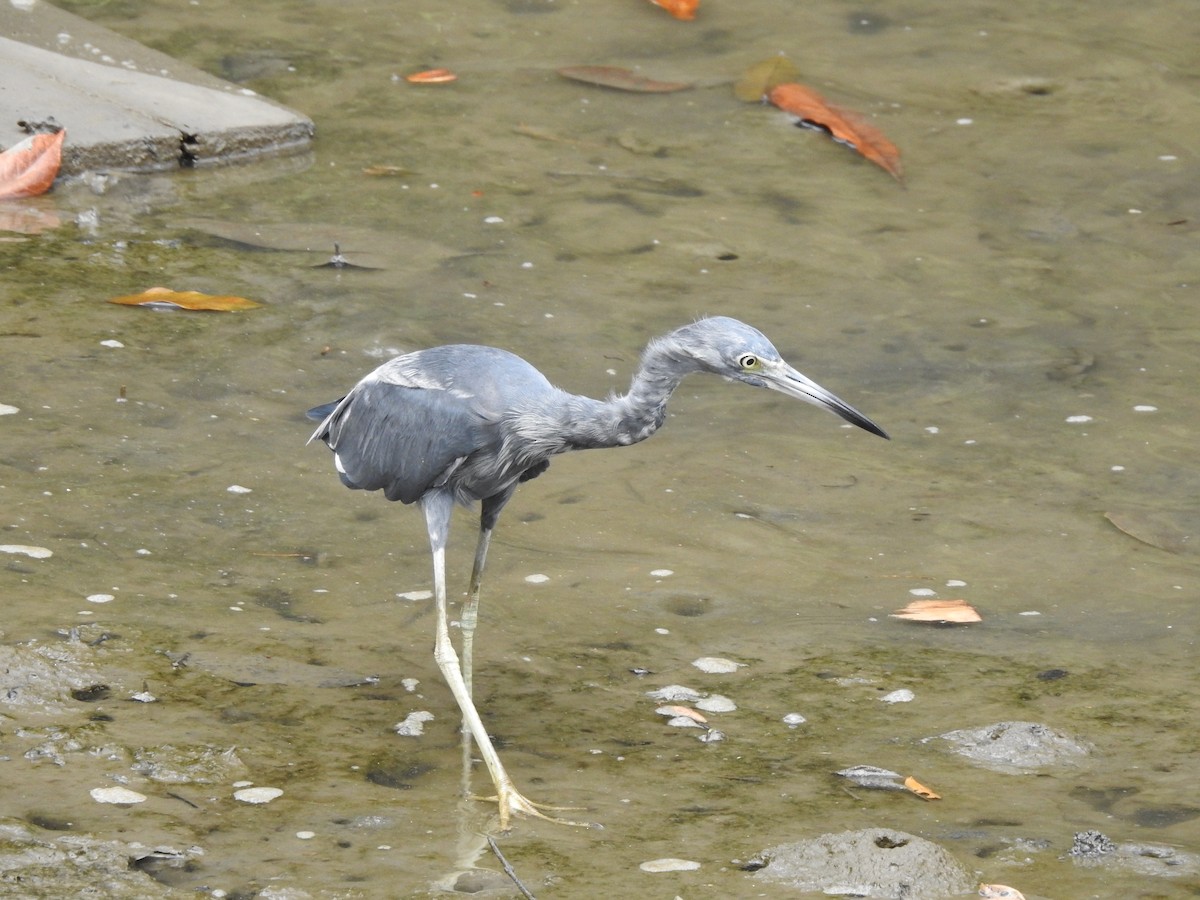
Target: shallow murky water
[{"x": 1039, "y": 265}]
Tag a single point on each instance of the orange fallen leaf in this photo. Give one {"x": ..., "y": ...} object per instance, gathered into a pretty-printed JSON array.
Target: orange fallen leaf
[
  {"x": 843, "y": 125},
  {"x": 29, "y": 167},
  {"x": 957, "y": 612},
  {"x": 620, "y": 79},
  {"x": 165, "y": 298},
  {"x": 685, "y": 711},
  {"x": 680, "y": 9},
  {"x": 920, "y": 790},
  {"x": 431, "y": 76}
]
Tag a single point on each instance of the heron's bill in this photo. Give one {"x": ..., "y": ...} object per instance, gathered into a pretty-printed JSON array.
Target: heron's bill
[{"x": 788, "y": 381}]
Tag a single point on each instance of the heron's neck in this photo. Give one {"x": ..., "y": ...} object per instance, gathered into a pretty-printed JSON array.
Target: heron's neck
[{"x": 632, "y": 417}]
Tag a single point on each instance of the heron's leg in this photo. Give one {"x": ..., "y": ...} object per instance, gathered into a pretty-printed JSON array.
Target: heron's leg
[
  {"x": 437, "y": 507},
  {"x": 469, "y": 618}
]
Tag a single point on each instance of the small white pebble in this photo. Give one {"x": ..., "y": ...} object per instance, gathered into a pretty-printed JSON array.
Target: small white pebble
[
  {"x": 669, "y": 865},
  {"x": 100, "y": 598},
  {"x": 1168, "y": 157},
  {"x": 791, "y": 720},
  {"x": 526, "y": 265},
  {"x": 662, "y": 573},
  {"x": 662, "y": 631},
  {"x": 410, "y": 684},
  {"x": 116, "y": 795},
  {"x": 537, "y": 578},
  {"x": 6, "y": 410},
  {"x": 306, "y": 835},
  {"x": 932, "y": 429},
  {"x": 1118, "y": 469},
  {"x": 257, "y": 794},
  {"x": 683, "y": 722},
  {"x": 1145, "y": 409},
  {"x": 923, "y": 592},
  {"x": 142, "y": 551},
  {"x": 35, "y": 552},
  {"x": 717, "y": 665},
  {"x": 956, "y": 583},
  {"x": 238, "y": 489},
  {"x": 1029, "y": 612},
  {"x": 963, "y": 121},
  {"x": 116, "y": 345},
  {"x": 1078, "y": 420},
  {"x": 144, "y": 697},
  {"x": 415, "y": 595},
  {"x": 493, "y": 220},
  {"x": 904, "y": 695},
  {"x": 711, "y": 737}
]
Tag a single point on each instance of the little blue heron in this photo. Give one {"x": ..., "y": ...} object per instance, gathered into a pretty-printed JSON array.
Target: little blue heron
[{"x": 463, "y": 423}]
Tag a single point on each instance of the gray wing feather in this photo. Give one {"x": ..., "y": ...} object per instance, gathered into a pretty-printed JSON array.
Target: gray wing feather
[{"x": 402, "y": 440}]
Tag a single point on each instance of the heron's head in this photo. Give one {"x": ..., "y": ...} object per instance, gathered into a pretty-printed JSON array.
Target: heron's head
[{"x": 739, "y": 352}]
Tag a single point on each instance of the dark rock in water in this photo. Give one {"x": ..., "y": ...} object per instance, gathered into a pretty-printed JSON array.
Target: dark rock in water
[
  {"x": 873, "y": 862},
  {"x": 1094, "y": 849},
  {"x": 1091, "y": 844},
  {"x": 1016, "y": 746}
]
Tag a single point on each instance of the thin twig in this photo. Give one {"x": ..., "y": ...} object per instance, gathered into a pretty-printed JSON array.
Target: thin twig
[{"x": 508, "y": 869}]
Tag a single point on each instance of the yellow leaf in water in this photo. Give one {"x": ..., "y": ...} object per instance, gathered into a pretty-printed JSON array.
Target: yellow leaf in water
[
  {"x": 957, "y": 612},
  {"x": 165, "y": 298},
  {"x": 758, "y": 80},
  {"x": 920, "y": 790}
]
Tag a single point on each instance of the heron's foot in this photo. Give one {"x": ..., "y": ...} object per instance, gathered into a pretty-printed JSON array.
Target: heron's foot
[{"x": 510, "y": 801}]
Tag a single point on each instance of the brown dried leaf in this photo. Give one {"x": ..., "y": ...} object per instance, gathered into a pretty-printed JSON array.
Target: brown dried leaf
[
  {"x": 620, "y": 79},
  {"x": 920, "y": 790},
  {"x": 842, "y": 125},
  {"x": 165, "y": 298},
  {"x": 958, "y": 612},
  {"x": 28, "y": 168},
  {"x": 758, "y": 80}
]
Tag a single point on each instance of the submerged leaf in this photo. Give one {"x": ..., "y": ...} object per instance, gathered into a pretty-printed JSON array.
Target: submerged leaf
[
  {"x": 842, "y": 125},
  {"x": 758, "y": 80},
  {"x": 1153, "y": 530},
  {"x": 941, "y": 612},
  {"x": 165, "y": 298},
  {"x": 680, "y": 9},
  {"x": 29, "y": 167},
  {"x": 620, "y": 79}
]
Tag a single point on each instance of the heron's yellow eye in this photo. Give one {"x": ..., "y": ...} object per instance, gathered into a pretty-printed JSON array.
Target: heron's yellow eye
[{"x": 749, "y": 362}]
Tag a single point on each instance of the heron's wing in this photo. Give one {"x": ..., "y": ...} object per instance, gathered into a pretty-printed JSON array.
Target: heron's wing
[{"x": 402, "y": 440}]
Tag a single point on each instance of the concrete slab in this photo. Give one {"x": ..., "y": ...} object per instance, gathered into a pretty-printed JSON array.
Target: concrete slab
[{"x": 124, "y": 105}]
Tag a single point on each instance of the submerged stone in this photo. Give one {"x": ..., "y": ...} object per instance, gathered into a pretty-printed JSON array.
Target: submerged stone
[
  {"x": 873, "y": 862},
  {"x": 1016, "y": 746}
]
